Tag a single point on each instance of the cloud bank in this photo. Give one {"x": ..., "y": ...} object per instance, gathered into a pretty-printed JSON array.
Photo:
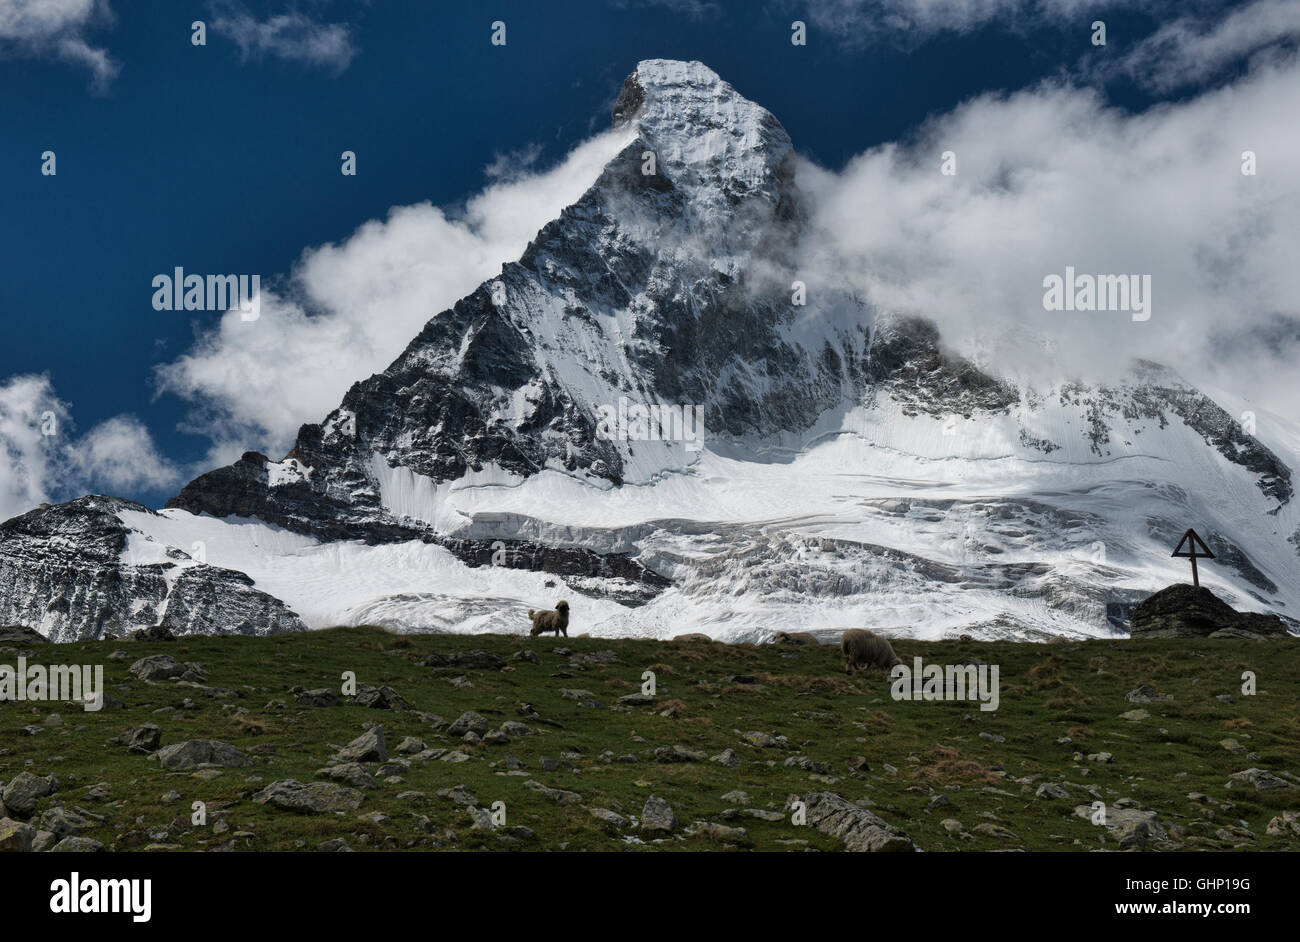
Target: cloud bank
[
  {"x": 43, "y": 460},
  {"x": 292, "y": 36},
  {"x": 348, "y": 309},
  {"x": 1050, "y": 177},
  {"x": 58, "y": 29}
]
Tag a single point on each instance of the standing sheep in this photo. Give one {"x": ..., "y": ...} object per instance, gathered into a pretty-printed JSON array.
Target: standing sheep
[{"x": 862, "y": 648}]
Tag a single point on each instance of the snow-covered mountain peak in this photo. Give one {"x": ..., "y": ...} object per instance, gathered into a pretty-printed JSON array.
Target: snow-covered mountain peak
[
  {"x": 650, "y": 410},
  {"x": 702, "y": 131}
]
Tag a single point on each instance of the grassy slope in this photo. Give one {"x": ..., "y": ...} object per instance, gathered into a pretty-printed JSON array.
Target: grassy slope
[{"x": 1047, "y": 692}]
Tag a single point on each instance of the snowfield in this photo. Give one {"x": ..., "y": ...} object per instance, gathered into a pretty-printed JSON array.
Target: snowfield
[{"x": 906, "y": 524}]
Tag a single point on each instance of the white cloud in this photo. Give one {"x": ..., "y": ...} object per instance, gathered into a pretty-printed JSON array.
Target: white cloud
[
  {"x": 514, "y": 164},
  {"x": 857, "y": 23},
  {"x": 1050, "y": 177},
  {"x": 42, "y": 459},
  {"x": 691, "y": 9},
  {"x": 57, "y": 29},
  {"x": 292, "y": 36},
  {"x": 349, "y": 309},
  {"x": 119, "y": 455},
  {"x": 1193, "y": 49}
]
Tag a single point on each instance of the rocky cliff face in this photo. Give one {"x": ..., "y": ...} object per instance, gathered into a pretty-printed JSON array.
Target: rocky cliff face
[{"x": 76, "y": 572}]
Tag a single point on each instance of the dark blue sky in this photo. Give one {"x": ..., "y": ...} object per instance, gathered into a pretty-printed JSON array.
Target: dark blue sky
[{"x": 194, "y": 158}]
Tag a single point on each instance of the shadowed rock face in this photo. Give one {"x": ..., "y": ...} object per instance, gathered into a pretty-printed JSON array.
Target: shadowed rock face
[
  {"x": 65, "y": 571},
  {"x": 1183, "y": 611}
]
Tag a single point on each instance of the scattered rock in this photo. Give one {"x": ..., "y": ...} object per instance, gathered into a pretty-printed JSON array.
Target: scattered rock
[
  {"x": 1287, "y": 824},
  {"x": 312, "y": 798},
  {"x": 78, "y": 845},
  {"x": 858, "y": 828},
  {"x": 724, "y": 834},
  {"x": 410, "y": 745},
  {"x": 15, "y": 836},
  {"x": 141, "y": 740},
  {"x": 201, "y": 754},
  {"x": 61, "y": 822},
  {"x": 657, "y": 817},
  {"x": 22, "y": 793},
  {"x": 380, "y": 698},
  {"x": 995, "y": 831},
  {"x": 555, "y": 794},
  {"x": 611, "y": 818},
  {"x": 157, "y": 667},
  {"x": 320, "y": 697},
  {"x": 1260, "y": 779},
  {"x": 153, "y": 633},
  {"x": 469, "y": 722},
  {"x": 368, "y": 747},
  {"x": 467, "y": 660},
  {"x": 349, "y": 773}
]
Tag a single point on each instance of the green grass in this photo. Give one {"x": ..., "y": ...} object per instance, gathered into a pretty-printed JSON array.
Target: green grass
[{"x": 1047, "y": 692}]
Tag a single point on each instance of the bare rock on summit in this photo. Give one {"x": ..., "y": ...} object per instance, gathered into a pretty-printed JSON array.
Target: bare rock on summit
[{"x": 1185, "y": 611}]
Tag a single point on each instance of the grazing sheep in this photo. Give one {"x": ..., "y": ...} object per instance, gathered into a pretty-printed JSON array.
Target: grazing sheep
[
  {"x": 865, "y": 649},
  {"x": 798, "y": 637},
  {"x": 557, "y": 621}
]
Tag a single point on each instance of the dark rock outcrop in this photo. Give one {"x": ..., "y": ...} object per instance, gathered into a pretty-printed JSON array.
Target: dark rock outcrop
[
  {"x": 1184, "y": 611},
  {"x": 68, "y": 569}
]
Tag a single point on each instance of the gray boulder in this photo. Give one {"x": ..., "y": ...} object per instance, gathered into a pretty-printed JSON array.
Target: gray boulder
[
  {"x": 15, "y": 836},
  {"x": 157, "y": 667},
  {"x": 141, "y": 740},
  {"x": 368, "y": 747},
  {"x": 201, "y": 754},
  {"x": 469, "y": 722},
  {"x": 349, "y": 773},
  {"x": 25, "y": 789},
  {"x": 657, "y": 816},
  {"x": 312, "y": 798},
  {"x": 858, "y": 828},
  {"x": 1260, "y": 779}
]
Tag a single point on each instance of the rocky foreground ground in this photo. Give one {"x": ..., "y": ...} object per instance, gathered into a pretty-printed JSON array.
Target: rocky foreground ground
[{"x": 498, "y": 742}]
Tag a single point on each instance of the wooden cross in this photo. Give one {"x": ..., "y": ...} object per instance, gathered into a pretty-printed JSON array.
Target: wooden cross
[{"x": 1191, "y": 540}]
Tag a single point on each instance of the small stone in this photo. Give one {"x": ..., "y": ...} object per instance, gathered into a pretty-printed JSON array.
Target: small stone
[{"x": 727, "y": 758}]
